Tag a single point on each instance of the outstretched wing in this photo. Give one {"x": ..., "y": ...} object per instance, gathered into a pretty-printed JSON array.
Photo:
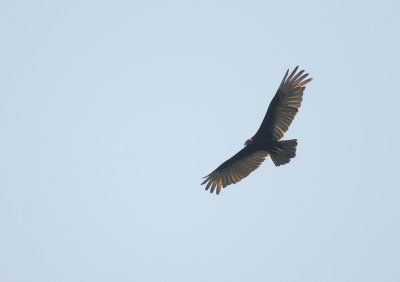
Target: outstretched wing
[
  {"x": 284, "y": 105},
  {"x": 234, "y": 169}
]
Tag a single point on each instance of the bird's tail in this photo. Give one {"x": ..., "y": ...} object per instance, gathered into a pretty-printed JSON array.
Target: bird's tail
[{"x": 283, "y": 152}]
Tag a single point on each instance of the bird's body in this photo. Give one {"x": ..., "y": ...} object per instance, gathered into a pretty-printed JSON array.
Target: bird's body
[{"x": 266, "y": 141}]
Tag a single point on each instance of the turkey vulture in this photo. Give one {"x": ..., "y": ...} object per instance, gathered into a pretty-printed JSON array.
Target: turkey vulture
[{"x": 277, "y": 120}]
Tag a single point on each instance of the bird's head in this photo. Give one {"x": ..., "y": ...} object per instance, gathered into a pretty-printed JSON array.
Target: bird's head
[{"x": 248, "y": 142}]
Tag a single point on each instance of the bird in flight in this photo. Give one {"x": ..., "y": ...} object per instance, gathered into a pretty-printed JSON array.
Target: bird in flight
[{"x": 266, "y": 141}]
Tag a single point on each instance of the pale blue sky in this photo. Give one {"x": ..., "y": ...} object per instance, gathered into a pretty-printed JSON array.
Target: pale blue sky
[{"x": 112, "y": 111}]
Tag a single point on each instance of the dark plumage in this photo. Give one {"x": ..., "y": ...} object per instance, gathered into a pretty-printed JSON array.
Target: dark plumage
[{"x": 276, "y": 122}]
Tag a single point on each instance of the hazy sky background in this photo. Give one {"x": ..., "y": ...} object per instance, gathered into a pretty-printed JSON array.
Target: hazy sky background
[{"x": 112, "y": 111}]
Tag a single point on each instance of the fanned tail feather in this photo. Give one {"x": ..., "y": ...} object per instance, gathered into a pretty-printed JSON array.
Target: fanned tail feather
[{"x": 283, "y": 152}]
